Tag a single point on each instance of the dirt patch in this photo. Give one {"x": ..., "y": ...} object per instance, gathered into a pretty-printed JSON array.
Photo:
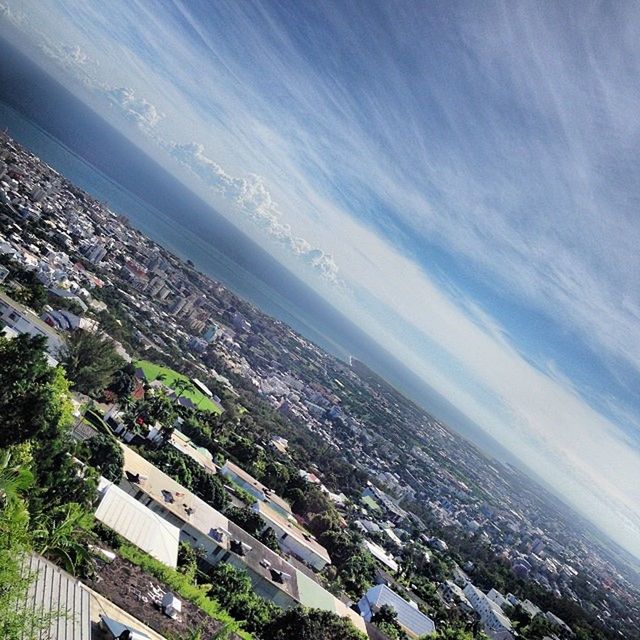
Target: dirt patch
[{"x": 135, "y": 591}]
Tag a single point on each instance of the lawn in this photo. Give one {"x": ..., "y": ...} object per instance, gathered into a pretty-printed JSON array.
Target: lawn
[{"x": 152, "y": 371}]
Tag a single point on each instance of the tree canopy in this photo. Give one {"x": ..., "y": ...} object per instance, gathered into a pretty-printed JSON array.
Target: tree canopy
[
  {"x": 30, "y": 402},
  {"x": 90, "y": 361}
]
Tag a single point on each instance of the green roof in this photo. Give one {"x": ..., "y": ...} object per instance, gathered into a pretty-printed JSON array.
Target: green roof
[
  {"x": 313, "y": 595},
  {"x": 368, "y": 501}
]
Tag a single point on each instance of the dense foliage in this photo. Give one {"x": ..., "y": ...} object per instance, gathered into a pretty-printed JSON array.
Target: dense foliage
[{"x": 90, "y": 360}]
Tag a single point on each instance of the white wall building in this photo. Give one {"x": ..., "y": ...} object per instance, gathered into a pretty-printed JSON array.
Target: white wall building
[{"x": 495, "y": 624}]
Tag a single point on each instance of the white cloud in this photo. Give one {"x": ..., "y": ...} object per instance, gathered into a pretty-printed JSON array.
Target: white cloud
[
  {"x": 474, "y": 137},
  {"x": 254, "y": 199},
  {"x": 137, "y": 109}
]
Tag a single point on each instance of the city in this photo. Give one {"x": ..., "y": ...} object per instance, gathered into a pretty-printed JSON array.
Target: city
[{"x": 386, "y": 518}]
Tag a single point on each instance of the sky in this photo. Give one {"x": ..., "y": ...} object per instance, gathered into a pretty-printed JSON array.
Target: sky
[{"x": 459, "y": 179}]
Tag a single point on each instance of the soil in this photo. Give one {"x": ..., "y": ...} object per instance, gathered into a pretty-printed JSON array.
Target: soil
[{"x": 129, "y": 587}]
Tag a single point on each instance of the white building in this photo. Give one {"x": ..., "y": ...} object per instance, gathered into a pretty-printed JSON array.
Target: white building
[
  {"x": 495, "y": 624},
  {"x": 495, "y": 596},
  {"x": 23, "y": 320},
  {"x": 138, "y": 524},
  {"x": 453, "y": 594},
  {"x": 221, "y": 540},
  {"x": 292, "y": 539}
]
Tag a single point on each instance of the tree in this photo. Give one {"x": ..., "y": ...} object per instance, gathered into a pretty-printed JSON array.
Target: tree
[
  {"x": 123, "y": 382},
  {"x": 246, "y": 518},
  {"x": 386, "y": 619},
  {"x": 25, "y": 286},
  {"x": 30, "y": 401},
  {"x": 450, "y": 634},
  {"x": 18, "y": 620},
  {"x": 105, "y": 454},
  {"x": 269, "y": 539},
  {"x": 311, "y": 624},
  {"x": 232, "y": 588},
  {"x": 90, "y": 361}
]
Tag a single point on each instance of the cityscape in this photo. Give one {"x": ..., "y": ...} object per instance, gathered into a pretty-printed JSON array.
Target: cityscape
[
  {"x": 319, "y": 321},
  {"x": 469, "y": 542}
]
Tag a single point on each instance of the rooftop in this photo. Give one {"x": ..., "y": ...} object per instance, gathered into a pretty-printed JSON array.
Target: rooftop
[
  {"x": 260, "y": 559},
  {"x": 409, "y": 616},
  {"x": 237, "y": 471},
  {"x": 138, "y": 524},
  {"x": 53, "y": 591},
  {"x": 271, "y": 516}
]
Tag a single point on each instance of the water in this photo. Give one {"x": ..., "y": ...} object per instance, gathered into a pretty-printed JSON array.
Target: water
[{"x": 164, "y": 229}]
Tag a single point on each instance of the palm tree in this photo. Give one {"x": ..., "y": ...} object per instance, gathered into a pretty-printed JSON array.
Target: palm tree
[
  {"x": 62, "y": 534},
  {"x": 13, "y": 480}
]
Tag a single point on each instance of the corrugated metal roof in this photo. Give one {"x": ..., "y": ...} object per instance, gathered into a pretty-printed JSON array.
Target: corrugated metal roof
[
  {"x": 409, "y": 617},
  {"x": 138, "y": 524},
  {"x": 55, "y": 592}
]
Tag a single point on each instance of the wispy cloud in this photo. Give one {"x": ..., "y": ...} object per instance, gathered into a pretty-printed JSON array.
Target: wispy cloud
[
  {"x": 386, "y": 144},
  {"x": 253, "y": 198}
]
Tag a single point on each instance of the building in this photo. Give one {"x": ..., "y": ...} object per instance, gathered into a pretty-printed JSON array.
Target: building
[
  {"x": 220, "y": 540},
  {"x": 138, "y": 524},
  {"x": 494, "y": 623},
  {"x": 412, "y": 621},
  {"x": 255, "y": 488},
  {"x": 395, "y": 513},
  {"x": 75, "y": 610},
  {"x": 381, "y": 555},
  {"x": 53, "y": 590},
  {"x": 23, "y": 320},
  {"x": 185, "y": 445},
  {"x": 452, "y": 594},
  {"x": 95, "y": 253},
  {"x": 495, "y": 596},
  {"x": 292, "y": 539}
]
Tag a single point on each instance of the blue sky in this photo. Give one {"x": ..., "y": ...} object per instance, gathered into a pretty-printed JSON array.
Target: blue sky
[{"x": 460, "y": 179}]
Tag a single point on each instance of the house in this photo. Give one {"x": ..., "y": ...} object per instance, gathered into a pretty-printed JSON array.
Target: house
[
  {"x": 381, "y": 555},
  {"x": 255, "y": 488},
  {"x": 220, "y": 540},
  {"x": 75, "y": 609},
  {"x": 452, "y": 594},
  {"x": 53, "y": 590},
  {"x": 23, "y": 320},
  {"x": 292, "y": 539},
  {"x": 185, "y": 445},
  {"x": 412, "y": 621},
  {"x": 395, "y": 513}
]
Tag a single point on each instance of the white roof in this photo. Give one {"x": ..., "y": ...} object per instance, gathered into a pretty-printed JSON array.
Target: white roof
[
  {"x": 380, "y": 554},
  {"x": 409, "y": 616},
  {"x": 138, "y": 524},
  {"x": 54, "y": 591}
]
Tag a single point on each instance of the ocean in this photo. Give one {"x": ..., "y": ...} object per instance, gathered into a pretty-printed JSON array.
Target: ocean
[{"x": 52, "y": 123}]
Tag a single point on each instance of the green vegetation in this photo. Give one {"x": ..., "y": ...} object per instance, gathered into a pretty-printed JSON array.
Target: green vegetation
[
  {"x": 183, "y": 585},
  {"x": 23, "y": 285},
  {"x": 105, "y": 454},
  {"x": 190, "y": 474},
  {"x": 174, "y": 379},
  {"x": 90, "y": 361}
]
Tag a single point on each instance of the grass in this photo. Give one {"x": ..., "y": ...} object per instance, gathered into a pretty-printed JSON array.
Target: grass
[
  {"x": 152, "y": 371},
  {"x": 182, "y": 585}
]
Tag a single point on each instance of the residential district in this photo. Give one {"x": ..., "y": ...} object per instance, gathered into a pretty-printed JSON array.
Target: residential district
[{"x": 225, "y": 477}]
